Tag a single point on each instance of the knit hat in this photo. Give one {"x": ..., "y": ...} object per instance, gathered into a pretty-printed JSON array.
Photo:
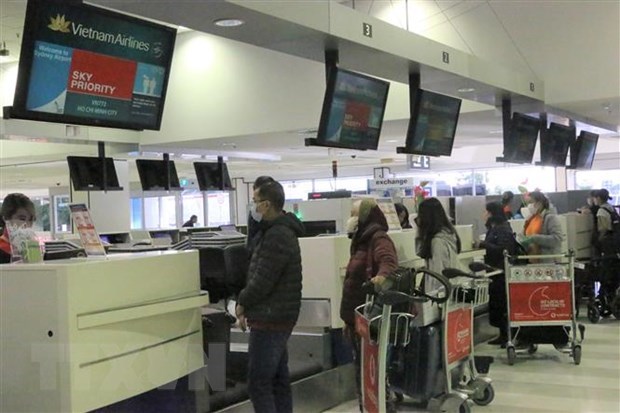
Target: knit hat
[{"x": 364, "y": 210}]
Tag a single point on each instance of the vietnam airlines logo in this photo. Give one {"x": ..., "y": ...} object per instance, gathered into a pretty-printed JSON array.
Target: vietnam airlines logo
[{"x": 59, "y": 24}]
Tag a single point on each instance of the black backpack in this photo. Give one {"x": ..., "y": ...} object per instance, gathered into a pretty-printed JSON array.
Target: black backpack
[{"x": 610, "y": 241}]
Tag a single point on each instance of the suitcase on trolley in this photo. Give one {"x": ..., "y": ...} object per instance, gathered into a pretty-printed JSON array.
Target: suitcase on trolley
[{"x": 416, "y": 369}]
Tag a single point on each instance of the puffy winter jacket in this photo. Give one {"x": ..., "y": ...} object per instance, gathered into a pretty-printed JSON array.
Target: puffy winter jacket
[{"x": 273, "y": 289}]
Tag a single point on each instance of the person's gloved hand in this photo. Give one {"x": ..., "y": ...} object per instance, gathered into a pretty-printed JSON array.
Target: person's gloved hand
[
  {"x": 526, "y": 242},
  {"x": 381, "y": 283}
]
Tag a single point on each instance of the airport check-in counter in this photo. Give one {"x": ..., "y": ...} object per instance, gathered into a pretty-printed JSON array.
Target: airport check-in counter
[
  {"x": 324, "y": 263},
  {"x": 80, "y": 334},
  {"x": 579, "y": 229}
]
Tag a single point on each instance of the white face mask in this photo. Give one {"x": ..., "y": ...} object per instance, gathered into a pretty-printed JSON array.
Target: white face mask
[
  {"x": 256, "y": 216},
  {"x": 532, "y": 208},
  {"x": 351, "y": 225}
]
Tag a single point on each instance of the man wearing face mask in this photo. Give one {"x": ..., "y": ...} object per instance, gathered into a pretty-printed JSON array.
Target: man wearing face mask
[
  {"x": 19, "y": 210},
  {"x": 543, "y": 231},
  {"x": 254, "y": 227},
  {"x": 270, "y": 302},
  {"x": 373, "y": 257}
]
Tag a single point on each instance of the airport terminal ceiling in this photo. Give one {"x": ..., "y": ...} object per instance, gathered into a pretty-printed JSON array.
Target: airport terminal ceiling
[{"x": 559, "y": 44}]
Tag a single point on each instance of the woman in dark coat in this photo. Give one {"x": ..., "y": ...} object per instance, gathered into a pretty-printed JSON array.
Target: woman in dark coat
[{"x": 499, "y": 237}]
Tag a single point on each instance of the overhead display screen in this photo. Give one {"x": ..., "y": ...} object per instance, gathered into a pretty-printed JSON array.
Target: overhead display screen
[
  {"x": 86, "y": 65},
  {"x": 555, "y": 143},
  {"x": 521, "y": 142},
  {"x": 353, "y": 110},
  {"x": 433, "y": 126}
]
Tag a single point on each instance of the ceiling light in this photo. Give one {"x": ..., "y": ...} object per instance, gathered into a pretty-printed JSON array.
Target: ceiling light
[
  {"x": 466, "y": 90},
  {"x": 392, "y": 141},
  {"x": 228, "y": 22}
]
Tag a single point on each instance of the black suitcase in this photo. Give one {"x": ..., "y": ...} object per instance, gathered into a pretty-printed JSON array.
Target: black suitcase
[
  {"x": 416, "y": 369},
  {"x": 216, "y": 328}
]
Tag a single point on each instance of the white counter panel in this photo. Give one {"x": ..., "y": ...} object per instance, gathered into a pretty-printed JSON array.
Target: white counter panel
[{"x": 81, "y": 334}]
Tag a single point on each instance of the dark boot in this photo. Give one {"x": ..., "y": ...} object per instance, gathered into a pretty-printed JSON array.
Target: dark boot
[{"x": 501, "y": 339}]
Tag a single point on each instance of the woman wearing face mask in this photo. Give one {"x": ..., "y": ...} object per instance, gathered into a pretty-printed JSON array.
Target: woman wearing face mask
[
  {"x": 403, "y": 215},
  {"x": 437, "y": 241},
  {"x": 17, "y": 209},
  {"x": 542, "y": 231},
  {"x": 373, "y": 257},
  {"x": 499, "y": 238}
]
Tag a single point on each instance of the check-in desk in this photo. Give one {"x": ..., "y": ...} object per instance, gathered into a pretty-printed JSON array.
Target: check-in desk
[
  {"x": 80, "y": 334},
  {"x": 324, "y": 262}
]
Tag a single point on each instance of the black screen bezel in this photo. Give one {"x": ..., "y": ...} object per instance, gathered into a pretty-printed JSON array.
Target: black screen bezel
[
  {"x": 225, "y": 183},
  {"x": 410, "y": 139},
  {"x": 556, "y": 131},
  {"x": 78, "y": 181},
  {"x": 19, "y": 111},
  {"x": 327, "y": 105},
  {"x": 578, "y": 160},
  {"x": 143, "y": 166},
  {"x": 518, "y": 118}
]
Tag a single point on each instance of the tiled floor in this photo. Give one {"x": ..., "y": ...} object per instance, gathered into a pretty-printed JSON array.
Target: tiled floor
[{"x": 549, "y": 381}]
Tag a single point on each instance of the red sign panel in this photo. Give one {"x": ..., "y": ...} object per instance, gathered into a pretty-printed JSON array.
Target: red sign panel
[
  {"x": 370, "y": 364},
  {"x": 540, "y": 301},
  {"x": 356, "y": 116},
  {"x": 362, "y": 326},
  {"x": 101, "y": 75},
  {"x": 459, "y": 334}
]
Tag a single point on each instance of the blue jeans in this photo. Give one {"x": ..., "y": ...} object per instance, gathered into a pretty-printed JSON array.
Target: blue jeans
[{"x": 269, "y": 383}]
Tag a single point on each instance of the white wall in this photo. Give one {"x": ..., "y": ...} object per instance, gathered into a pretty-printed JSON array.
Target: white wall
[{"x": 110, "y": 210}]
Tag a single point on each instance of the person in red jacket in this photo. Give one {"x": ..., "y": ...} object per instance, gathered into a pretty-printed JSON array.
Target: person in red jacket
[{"x": 373, "y": 257}]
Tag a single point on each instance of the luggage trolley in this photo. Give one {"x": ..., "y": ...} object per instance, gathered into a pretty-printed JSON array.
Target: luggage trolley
[
  {"x": 403, "y": 355},
  {"x": 541, "y": 295},
  {"x": 468, "y": 292}
]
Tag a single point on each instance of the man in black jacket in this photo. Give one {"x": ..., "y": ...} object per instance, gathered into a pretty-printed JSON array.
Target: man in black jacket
[{"x": 271, "y": 300}]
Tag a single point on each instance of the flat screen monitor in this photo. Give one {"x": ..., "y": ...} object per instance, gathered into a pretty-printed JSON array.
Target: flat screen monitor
[
  {"x": 353, "y": 110},
  {"x": 153, "y": 175},
  {"x": 86, "y": 173},
  {"x": 433, "y": 124},
  {"x": 555, "y": 143},
  {"x": 314, "y": 228},
  {"x": 212, "y": 176},
  {"x": 583, "y": 150},
  {"x": 82, "y": 64},
  {"x": 521, "y": 142}
]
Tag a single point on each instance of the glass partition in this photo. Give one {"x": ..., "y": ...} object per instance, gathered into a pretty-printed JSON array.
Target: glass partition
[
  {"x": 193, "y": 203},
  {"x": 62, "y": 215},
  {"x": 609, "y": 179},
  {"x": 218, "y": 208}
]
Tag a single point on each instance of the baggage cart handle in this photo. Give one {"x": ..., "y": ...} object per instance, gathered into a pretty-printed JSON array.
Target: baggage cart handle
[
  {"x": 398, "y": 297},
  {"x": 569, "y": 254},
  {"x": 455, "y": 272}
]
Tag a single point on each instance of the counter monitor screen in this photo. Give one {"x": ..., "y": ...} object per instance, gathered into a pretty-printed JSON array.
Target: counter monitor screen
[
  {"x": 212, "y": 176},
  {"x": 81, "y": 64},
  {"x": 353, "y": 110},
  {"x": 433, "y": 124},
  {"x": 583, "y": 150},
  {"x": 555, "y": 143},
  {"x": 521, "y": 142},
  {"x": 86, "y": 173},
  {"x": 153, "y": 175}
]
